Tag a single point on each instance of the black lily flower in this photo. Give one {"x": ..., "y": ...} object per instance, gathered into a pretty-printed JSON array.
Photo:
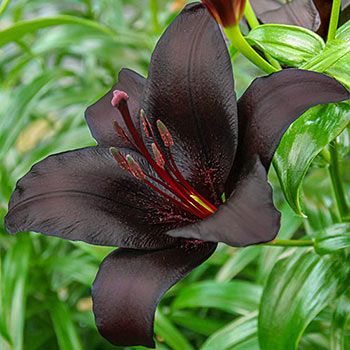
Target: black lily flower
[
  {"x": 179, "y": 166},
  {"x": 311, "y": 14}
]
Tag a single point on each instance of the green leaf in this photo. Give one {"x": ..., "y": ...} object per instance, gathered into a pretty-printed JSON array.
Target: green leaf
[
  {"x": 237, "y": 262},
  {"x": 333, "y": 60},
  {"x": 66, "y": 333},
  {"x": 235, "y": 333},
  {"x": 334, "y": 238},
  {"x": 302, "y": 142},
  {"x": 299, "y": 287},
  {"x": 290, "y": 45},
  {"x": 236, "y": 296},
  {"x": 343, "y": 32},
  {"x": 340, "y": 323},
  {"x": 170, "y": 334}
]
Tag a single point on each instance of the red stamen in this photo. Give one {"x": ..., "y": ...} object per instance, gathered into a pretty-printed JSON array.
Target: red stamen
[
  {"x": 158, "y": 156},
  {"x": 188, "y": 198},
  {"x": 165, "y": 134},
  {"x": 145, "y": 123},
  {"x": 119, "y": 158},
  {"x": 135, "y": 168}
]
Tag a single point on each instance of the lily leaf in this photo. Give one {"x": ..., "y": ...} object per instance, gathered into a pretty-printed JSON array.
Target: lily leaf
[
  {"x": 299, "y": 287},
  {"x": 335, "y": 238},
  {"x": 236, "y": 296},
  {"x": 290, "y": 45},
  {"x": 236, "y": 332},
  {"x": 302, "y": 142},
  {"x": 334, "y": 60}
]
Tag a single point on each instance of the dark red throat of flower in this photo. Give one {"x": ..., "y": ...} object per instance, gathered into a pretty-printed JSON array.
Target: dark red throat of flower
[{"x": 169, "y": 181}]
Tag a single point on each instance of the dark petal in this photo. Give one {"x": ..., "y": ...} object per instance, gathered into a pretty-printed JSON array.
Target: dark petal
[
  {"x": 248, "y": 217},
  {"x": 84, "y": 195},
  {"x": 272, "y": 103},
  {"x": 298, "y": 12},
  {"x": 261, "y": 6},
  {"x": 190, "y": 88},
  {"x": 345, "y": 13},
  {"x": 129, "y": 285},
  {"x": 100, "y": 116}
]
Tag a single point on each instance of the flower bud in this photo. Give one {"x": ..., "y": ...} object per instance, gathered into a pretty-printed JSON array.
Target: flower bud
[{"x": 226, "y": 12}]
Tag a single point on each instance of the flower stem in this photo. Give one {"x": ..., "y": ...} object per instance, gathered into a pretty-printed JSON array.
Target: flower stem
[
  {"x": 333, "y": 23},
  {"x": 290, "y": 243},
  {"x": 239, "y": 42},
  {"x": 337, "y": 184},
  {"x": 250, "y": 15}
]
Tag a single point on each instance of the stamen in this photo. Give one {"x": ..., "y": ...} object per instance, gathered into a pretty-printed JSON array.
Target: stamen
[
  {"x": 135, "y": 168},
  {"x": 119, "y": 96},
  {"x": 158, "y": 156},
  {"x": 145, "y": 123},
  {"x": 169, "y": 176},
  {"x": 119, "y": 158},
  {"x": 121, "y": 132},
  {"x": 165, "y": 134}
]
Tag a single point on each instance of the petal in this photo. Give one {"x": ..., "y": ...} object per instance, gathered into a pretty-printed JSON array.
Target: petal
[
  {"x": 298, "y": 12},
  {"x": 129, "y": 285},
  {"x": 261, "y": 6},
  {"x": 100, "y": 115},
  {"x": 248, "y": 217},
  {"x": 272, "y": 103},
  {"x": 190, "y": 88},
  {"x": 84, "y": 195},
  {"x": 345, "y": 12}
]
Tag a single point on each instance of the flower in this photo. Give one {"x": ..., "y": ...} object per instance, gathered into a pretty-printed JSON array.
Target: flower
[
  {"x": 179, "y": 166},
  {"x": 226, "y": 12},
  {"x": 311, "y": 14}
]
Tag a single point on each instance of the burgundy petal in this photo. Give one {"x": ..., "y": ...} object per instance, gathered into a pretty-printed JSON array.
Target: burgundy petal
[
  {"x": 84, "y": 195},
  {"x": 248, "y": 217},
  {"x": 190, "y": 89},
  {"x": 129, "y": 285},
  {"x": 101, "y": 115},
  {"x": 298, "y": 12},
  {"x": 272, "y": 103},
  {"x": 345, "y": 12}
]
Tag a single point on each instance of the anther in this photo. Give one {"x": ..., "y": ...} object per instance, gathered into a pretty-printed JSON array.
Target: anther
[
  {"x": 158, "y": 157},
  {"x": 120, "y": 132},
  {"x": 120, "y": 159},
  {"x": 118, "y": 97},
  {"x": 144, "y": 122},
  {"x": 135, "y": 168},
  {"x": 165, "y": 134}
]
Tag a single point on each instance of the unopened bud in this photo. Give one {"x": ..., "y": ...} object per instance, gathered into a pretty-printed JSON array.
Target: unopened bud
[{"x": 228, "y": 13}]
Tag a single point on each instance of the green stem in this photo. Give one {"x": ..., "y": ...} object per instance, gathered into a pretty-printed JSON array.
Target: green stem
[
  {"x": 250, "y": 15},
  {"x": 3, "y": 6},
  {"x": 333, "y": 23},
  {"x": 337, "y": 184},
  {"x": 290, "y": 243},
  {"x": 240, "y": 43},
  {"x": 154, "y": 13}
]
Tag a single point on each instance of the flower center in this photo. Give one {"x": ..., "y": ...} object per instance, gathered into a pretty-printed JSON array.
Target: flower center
[{"x": 170, "y": 183}]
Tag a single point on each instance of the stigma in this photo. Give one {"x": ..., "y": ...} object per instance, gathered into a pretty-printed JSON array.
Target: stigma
[{"x": 168, "y": 182}]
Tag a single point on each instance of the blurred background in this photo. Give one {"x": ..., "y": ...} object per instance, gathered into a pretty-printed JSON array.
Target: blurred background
[{"x": 56, "y": 58}]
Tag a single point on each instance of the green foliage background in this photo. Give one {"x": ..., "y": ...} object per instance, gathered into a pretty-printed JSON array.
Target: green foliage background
[{"x": 56, "y": 58}]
